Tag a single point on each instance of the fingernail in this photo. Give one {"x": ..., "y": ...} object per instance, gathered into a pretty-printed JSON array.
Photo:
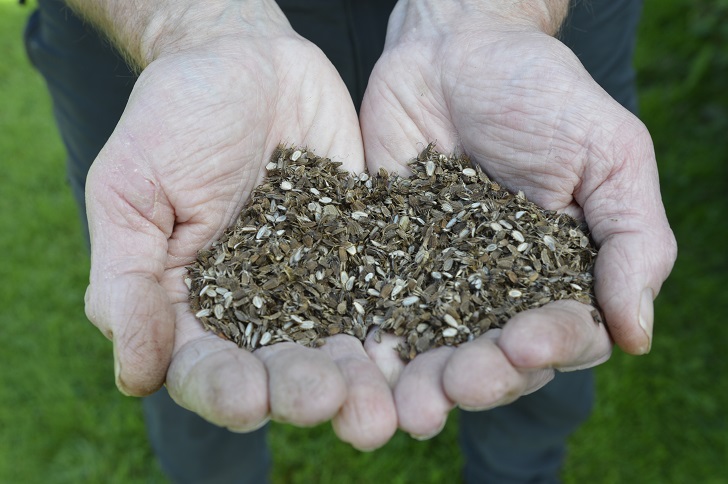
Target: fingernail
[
  {"x": 244, "y": 429},
  {"x": 429, "y": 436},
  {"x": 117, "y": 375},
  {"x": 423, "y": 437},
  {"x": 646, "y": 317}
]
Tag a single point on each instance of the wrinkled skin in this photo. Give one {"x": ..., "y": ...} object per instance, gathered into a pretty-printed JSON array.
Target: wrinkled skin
[
  {"x": 192, "y": 143},
  {"x": 190, "y": 147},
  {"x": 523, "y": 107}
]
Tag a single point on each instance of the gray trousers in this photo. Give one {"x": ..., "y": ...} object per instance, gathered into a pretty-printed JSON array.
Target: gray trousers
[{"x": 90, "y": 84}]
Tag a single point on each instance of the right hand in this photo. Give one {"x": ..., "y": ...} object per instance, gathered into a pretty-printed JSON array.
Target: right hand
[{"x": 201, "y": 123}]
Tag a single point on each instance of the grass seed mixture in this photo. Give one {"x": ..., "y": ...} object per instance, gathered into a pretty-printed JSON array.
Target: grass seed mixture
[{"x": 438, "y": 257}]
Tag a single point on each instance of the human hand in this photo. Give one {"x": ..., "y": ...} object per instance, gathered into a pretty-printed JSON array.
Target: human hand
[
  {"x": 201, "y": 123},
  {"x": 523, "y": 107}
]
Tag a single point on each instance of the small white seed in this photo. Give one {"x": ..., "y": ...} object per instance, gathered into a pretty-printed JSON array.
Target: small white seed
[
  {"x": 430, "y": 167},
  {"x": 449, "y": 332},
  {"x": 450, "y": 321},
  {"x": 359, "y": 308},
  {"x": 410, "y": 300},
  {"x": 550, "y": 242}
]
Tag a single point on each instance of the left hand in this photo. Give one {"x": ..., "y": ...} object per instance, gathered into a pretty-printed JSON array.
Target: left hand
[{"x": 523, "y": 107}]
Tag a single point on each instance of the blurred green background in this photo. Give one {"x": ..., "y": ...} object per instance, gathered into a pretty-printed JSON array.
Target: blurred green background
[{"x": 658, "y": 419}]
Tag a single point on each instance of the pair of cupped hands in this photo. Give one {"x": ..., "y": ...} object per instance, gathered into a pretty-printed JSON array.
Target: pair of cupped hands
[{"x": 202, "y": 122}]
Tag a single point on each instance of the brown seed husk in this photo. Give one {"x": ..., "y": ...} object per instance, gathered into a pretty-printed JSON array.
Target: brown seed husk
[{"x": 438, "y": 257}]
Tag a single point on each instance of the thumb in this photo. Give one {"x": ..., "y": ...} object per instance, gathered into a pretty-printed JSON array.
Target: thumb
[
  {"x": 129, "y": 223},
  {"x": 637, "y": 249}
]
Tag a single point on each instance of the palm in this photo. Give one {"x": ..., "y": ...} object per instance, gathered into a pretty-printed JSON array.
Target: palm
[{"x": 190, "y": 147}]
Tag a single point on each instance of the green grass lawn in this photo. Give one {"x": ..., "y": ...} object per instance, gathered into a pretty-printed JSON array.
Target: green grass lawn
[{"x": 658, "y": 419}]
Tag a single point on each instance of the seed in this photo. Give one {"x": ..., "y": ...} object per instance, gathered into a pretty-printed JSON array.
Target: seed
[
  {"x": 550, "y": 242},
  {"x": 286, "y": 185},
  {"x": 265, "y": 339},
  {"x": 296, "y": 155},
  {"x": 359, "y": 308},
  {"x": 517, "y": 236},
  {"x": 258, "y": 302},
  {"x": 469, "y": 172},
  {"x": 430, "y": 168},
  {"x": 218, "y": 311},
  {"x": 325, "y": 200},
  {"x": 410, "y": 300},
  {"x": 515, "y": 293},
  {"x": 263, "y": 232},
  {"x": 450, "y": 320},
  {"x": 203, "y": 313},
  {"x": 350, "y": 283},
  {"x": 449, "y": 332},
  {"x": 399, "y": 285}
]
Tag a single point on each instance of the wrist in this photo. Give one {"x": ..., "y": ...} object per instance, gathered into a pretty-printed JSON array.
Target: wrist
[
  {"x": 144, "y": 32},
  {"x": 415, "y": 18},
  {"x": 205, "y": 22}
]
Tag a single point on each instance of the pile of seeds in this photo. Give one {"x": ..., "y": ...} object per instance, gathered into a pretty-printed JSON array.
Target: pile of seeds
[{"x": 437, "y": 258}]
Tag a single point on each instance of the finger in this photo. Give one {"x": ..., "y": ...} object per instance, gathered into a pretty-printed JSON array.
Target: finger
[
  {"x": 305, "y": 387},
  {"x": 422, "y": 404},
  {"x": 479, "y": 376},
  {"x": 129, "y": 223},
  {"x": 222, "y": 383},
  {"x": 622, "y": 205},
  {"x": 368, "y": 418},
  {"x": 561, "y": 335},
  {"x": 385, "y": 355}
]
